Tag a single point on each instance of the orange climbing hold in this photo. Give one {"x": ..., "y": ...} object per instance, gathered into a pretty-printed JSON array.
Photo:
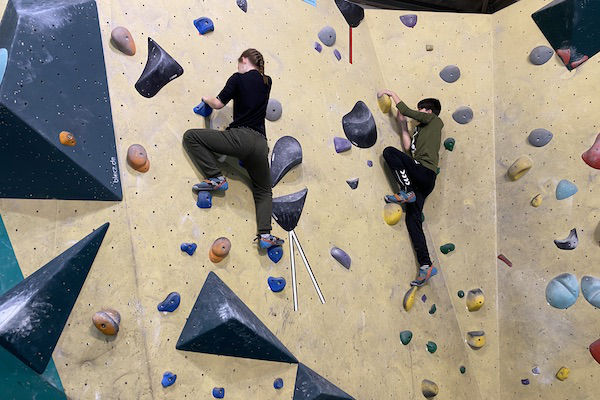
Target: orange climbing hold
[
  {"x": 219, "y": 250},
  {"x": 107, "y": 321},
  {"x": 67, "y": 139},
  {"x": 592, "y": 156},
  {"x": 595, "y": 350},
  {"x": 138, "y": 158},
  {"x": 121, "y": 38}
]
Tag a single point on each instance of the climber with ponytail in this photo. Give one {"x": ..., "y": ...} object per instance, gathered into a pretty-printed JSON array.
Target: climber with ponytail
[{"x": 245, "y": 138}]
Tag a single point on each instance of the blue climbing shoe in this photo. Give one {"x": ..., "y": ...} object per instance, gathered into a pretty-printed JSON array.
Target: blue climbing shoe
[
  {"x": 266, "y": 242},
  {"x": 401, "y": 197},
  {"x": 211, "y": 184},
  {"x": 424, "y": 275}
]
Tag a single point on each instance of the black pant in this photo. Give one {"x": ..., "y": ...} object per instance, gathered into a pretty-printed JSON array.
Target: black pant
[
  {"x": 247, "y": 145},
  {"x": 421, "y": 180}
]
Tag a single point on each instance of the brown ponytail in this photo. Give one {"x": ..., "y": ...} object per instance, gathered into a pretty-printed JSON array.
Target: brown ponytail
[{"x": 256, "y": 58}]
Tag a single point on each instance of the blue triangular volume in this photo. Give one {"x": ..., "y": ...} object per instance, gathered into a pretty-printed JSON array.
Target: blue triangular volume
[
  {"x": 33, "y": 313},
  {"x": 312, "y": 386},
  {"x": 220, "y": 323},
  {"x": 70, "y": 75}
]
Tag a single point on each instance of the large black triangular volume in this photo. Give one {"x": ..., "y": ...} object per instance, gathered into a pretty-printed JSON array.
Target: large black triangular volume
[
  {"x": 160, "y": 69},
  {"x": 353, "y": 13},
  {"x": 312, "y": 386},
  {"x": 33, "y": 313},
  {"x": 50, "y": 83},
  {"x": 220, "y": 323},
  {"x": 287, "y": 153},
  {"x": 288, "y": 209}
]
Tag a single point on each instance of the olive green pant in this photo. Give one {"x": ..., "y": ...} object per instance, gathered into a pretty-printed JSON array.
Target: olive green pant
[{"x": 250, "y": 147}]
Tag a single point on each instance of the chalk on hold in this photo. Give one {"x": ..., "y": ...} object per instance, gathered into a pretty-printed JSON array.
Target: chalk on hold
[
  {"x": 276, "y": 284},
  {"x": 409, "y": 298},
  {"x": 160, "y": 69},
  {"x": 385, "y": 103},
  {"x": 540, "y": 137},
  {"x": 121, "y": 38},
  {"x": 275, "y": 253},
  {"x": 595, "y": 350},
  {"x": 189, "y": 248},
  {"x": 590, "y": 287},
  {"x": 409, "y": 20},
  {"x": 278, "y": 383},
  {"x": 447, "y": 248},
  {"x": 218, "y": 393},
  {"x": 562, "y": 374},
  {"x": 243, "y": 5},
  {"x": 170, "y": 303},
  {"x": 204, "y": 25},
  {"x": 537, "y": 200},
  {"x": 353, "y": 183},
  {"x": 449, "y": 144},
  {"x": 107, "y": 321},
  {"x": 204, "y": 200},
  {"x": 429, "y": 47},
  {"x": 341, "y": 144},
  {"x": 475, "y": 299},
  {"x": 392, "y": 213},
  {"x": 137, "y": 158},
  {"x": 274, "y": 110},
  {"x": 406, "y": 337},
  {"x": 570, "y": 243},
  {"x": 463, "y": 115},
  {"x": 337, "y": 54},
  {"x": 67, "y": 139},
  {"x": 318, "y": 47},
  {"x": 219, "y": 249},
  {"x": 565, "y": 189},
  {"x": 431, "y": 347},
  {"x": 168, "y": 379},
  {"x": 520, "y": 167},
  {"x": 592, "y": 155},
  {"x": 562, "y": 291},
  {"x": 327, "y": 36},
  {"x": 429, "y": 389},
  {"x": 203, "y": 109},
  {"x": 450, "y": 73},
  {"x": 476, "y": 339},
  {"x": 341, "y": 256},
  {"x": 359, "y": 126},
  {"x": 540, "y": 55}
]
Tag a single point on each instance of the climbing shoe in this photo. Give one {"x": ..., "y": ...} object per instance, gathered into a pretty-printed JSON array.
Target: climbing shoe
[
  {"x": 266, "y": 241},
  {"x": 401, "y": 197},
  {"x": 425, "y": 273},
  {"x": 211, "y": 184}
]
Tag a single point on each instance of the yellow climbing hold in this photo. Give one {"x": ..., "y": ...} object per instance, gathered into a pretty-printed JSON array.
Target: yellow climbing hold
[
  {"x": 475, "y": 299},
  {"x": 385, "y": 103},
  {"x": 429, "y": 389},
  {"x": 392, "y": 213},
  {"x": 520, "y": 167},
  {"x": 409, "y": 298},
  {"x": 537, "y": 200},
  {"x": 476, "y": 339},
  {"x": 562, "y": 373}
]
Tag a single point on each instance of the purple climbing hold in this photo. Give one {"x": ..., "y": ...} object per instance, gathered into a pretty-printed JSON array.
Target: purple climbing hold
[
  {"x": 318, "y": 47},
  {"x": 218, "y": 393},
  {"x": 204, "y": 25},
  {"x": 525, "y": 381},
  {"x": 168, "y": 379},
  {"x": 423, "y": 298},
  {"x": 341, "y": 144},
  {"x": 275, "y": 253},
  {"x": 409, "y": 20},
  {"x": 369, "y": 163},
  {"x": 204, "y": 200},
  {"x": 171, "y": 303},
  {"x": 243, "y": 5},
  {"x": 353, "y": 183},
  {"x": 337, "y": 54},
  {"x": 341, "y": 256},
  {"x": 278, "y": 383},
  {"x": 189, "y": 248},
  {"x": 276, "y": 284}
]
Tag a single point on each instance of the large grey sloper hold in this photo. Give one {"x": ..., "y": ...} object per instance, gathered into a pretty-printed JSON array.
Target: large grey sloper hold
[
  {"x": 540, "y": 55},
  {"x": 359, "y": 126},
  {"x": 327, "y": 36},
  {"x": 450, "y": 73},
  {"x": 570, "y": 243},
  {"x": 463, "y": 115},
  {"x": 287, "y": 153},
  {"x": 540, "y": 137},
  {"x": 274, "y": 110},
  {"x": 288, "y": 209},
  {"x": 160, "y": 69}
]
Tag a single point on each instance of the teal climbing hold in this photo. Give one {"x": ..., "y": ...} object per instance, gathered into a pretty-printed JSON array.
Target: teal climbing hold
[
  {"x": 431, "y": 347},
  {"x": 447, "y": 248},
  {"x": 460, "y": 294},
  {"x": 565, "y": 189},
  {"x": 449, "y": 144},
  {"x": 406, "y": 337},
  {"x": 562, "y": 291},
  {"x": 433, "y": 309},
  {"x": 462, "y": 369},
  {"x": 3, "y": 62}
]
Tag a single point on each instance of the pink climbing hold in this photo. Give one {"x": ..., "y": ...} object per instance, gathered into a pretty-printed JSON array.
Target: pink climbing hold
[
  {"x": 592, "y": 156},
  {"x": 565, "y": 55}
]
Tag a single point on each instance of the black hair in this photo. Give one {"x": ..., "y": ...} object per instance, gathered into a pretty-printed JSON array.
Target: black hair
[{"x": 431, "y": 104}]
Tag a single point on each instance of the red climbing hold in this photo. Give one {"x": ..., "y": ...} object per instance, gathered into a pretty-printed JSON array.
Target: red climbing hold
[
  {"x": 595, "y": 350},
  {"x": 506, "y": 260},
  {"x": 577, "y": 63},
  {"x": 565, "y": 55},
  {"x": 592, "y": 156}
]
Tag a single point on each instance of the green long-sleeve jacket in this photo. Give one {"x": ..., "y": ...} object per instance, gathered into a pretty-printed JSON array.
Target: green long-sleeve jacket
[{"x": 427, "y": 138}]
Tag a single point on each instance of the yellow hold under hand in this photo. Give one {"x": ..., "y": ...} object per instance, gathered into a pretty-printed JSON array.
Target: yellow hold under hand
[{"x": 385, "y": 103}]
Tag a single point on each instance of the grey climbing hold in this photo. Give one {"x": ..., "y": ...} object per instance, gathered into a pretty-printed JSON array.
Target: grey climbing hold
[
  {"x": 327, "y": 36},
  {"x": 463, "y": 115},
  {"x": 274, "y": 110},
  {"x": 353, "y": 183},
  {"x": 160, "y": 69},
  {"x": 450, "y": 74},
  {"x": 287, "y": 153},
  {"x": 288, "y": 209},
  {"x": 341, "y": 144},
  {"x": 562, "y": 291},
  {"x": 590, "y": 287},
  {"x": 409, "y": 20},
  {"x": 540, "y": 137},
  {"x": 243, "y": 5},
  {"x": 341, "y": 256},
  {"x": 570, "y": 243},
  {"x": 540, "y": 55},
  {"x": 359, "y": 126}
]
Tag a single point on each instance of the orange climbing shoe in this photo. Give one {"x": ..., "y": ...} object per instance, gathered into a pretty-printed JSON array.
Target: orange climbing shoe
[{"x": 424, "y": 275}]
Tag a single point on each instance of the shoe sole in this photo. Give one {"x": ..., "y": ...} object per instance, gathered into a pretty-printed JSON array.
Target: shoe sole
[
  {"x": 422, "y": 283},
  {"x": 221, "y": 188}
]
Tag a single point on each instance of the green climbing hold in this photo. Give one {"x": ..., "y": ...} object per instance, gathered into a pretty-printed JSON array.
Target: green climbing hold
[
  {"x": 437, "y": 172},
  {"x": 422, "y": 217},
  {"x": 449, "y": 144},
  {"x": 461, "y": 294},
  {"x": 433, "y": 309},
  {"x": 431, "y": 347},
  {"x": 462, "y": 369},
  {"x": 447, "y": 248},
  {"x": 406, "y": 337}
]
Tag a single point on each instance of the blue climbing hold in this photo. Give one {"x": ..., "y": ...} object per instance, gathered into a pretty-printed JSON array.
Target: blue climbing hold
[
  {"x": 276, "y": 284},
  {"x": 168, "y": 379},
  {"x": 278, "y": 384},
  {"x": 341, "y": 256},
  {"x": 562, "y": 291},
  {"x": 353, "y": 183},
  {"x": 369, "y": 163},
  {"x": 318, "y": 47},
  {"x": 275, "y": 253},
  {"x": 171, "y": 303},
  {"x": 218, "y": 393},
  {"x": 525, "y": 381},
  {"x": 341, "y": 144},
  {"x": 3, "y": 62},
  {"x": 424, "y": 298},
  {"x": 409, "y": 20},
  {"x": 203, "y": 109},
  {"x": 565, "y": 189},
  {"x": 204, "y": 199},
  {"x": 337, "y": 54},
  {"x": 189, "y": 248},
  {"x": 204, "y": 25}
]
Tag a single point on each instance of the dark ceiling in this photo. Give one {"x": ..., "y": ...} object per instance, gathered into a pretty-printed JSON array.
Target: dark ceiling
[{"x": 466, "y": 6}]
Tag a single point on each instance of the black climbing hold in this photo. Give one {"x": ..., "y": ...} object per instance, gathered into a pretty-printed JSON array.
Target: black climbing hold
[
  {"x": 288, "y": 209},
  {"x": 218, "y": 393},
  {"x": 463, "y": 115},
  {"x": 45, "y": 300},
  {"x": 274, "y": 110},
  {"x": 540, "y": 137},
  {"x": 171, "y": 303},
  {"x": 278, "y": 383},
  {"x": 327, "y": 36},
  {"x": 276, "y": 284},
  {"x": 243, "y": 5},
  {"x": 287, "y": 153},
  {"x": 168, "y": 379},
  {"x": 353, "y": 183},
  {"x": 220, "y": 323},
  {"x": 47, "y": 66},
  {"x": 450, "y": 74},
  {"x": 160, "y": 69},
  {"x": 540, "y": 55},
  {"x": 204, "y": 25},
  {"x": 312, "y": 386},
  {"x": 353, "y": 13},
  {"x": 359, "y": 126}
]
